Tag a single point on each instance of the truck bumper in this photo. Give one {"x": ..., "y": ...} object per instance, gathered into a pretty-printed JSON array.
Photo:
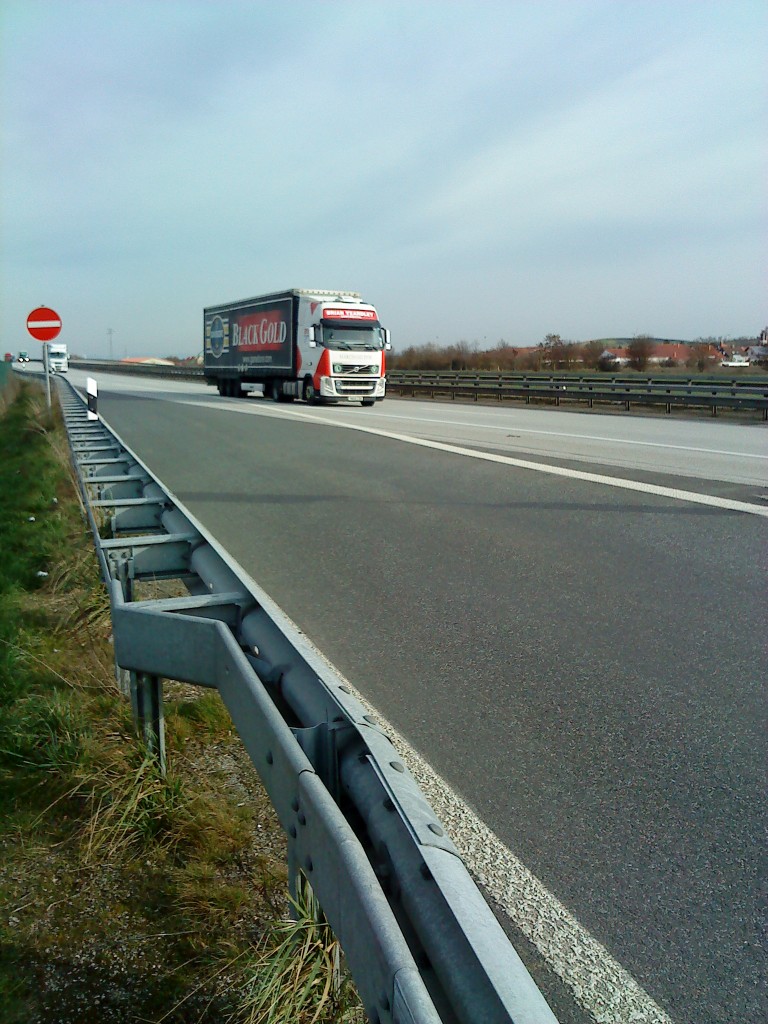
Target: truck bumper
[{"x": 352, "y": 389}]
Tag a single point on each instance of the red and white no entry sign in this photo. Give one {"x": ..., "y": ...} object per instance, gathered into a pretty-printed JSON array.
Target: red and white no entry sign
[{"x": 43, "y": 323}]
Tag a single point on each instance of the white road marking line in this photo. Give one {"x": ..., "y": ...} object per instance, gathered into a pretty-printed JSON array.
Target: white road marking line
[
  {"x": 425, "y": 424},
  {"x": 674, "y": 493},
  {"x": 598, "y": 982}
]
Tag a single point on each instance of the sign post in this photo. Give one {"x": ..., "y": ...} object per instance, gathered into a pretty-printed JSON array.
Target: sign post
[
  {"x": 44, "y": 325},
  {"x": 47, "y": 372}
]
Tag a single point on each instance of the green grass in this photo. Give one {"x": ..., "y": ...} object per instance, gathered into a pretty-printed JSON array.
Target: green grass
[
  {"x": 152, "y": 897},
  {"x": 295, "y": 976}
]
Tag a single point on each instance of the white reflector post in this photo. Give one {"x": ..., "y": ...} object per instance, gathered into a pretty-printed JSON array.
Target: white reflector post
[{"x": 92, "y": 390}]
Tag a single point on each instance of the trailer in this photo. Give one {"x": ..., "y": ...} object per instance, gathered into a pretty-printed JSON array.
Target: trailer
[{"x": 324, "y": 347}]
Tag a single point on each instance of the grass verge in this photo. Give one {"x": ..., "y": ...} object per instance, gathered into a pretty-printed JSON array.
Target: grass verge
[{"x": 127, "y": 896}]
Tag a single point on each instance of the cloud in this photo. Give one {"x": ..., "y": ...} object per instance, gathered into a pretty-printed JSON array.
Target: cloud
[{"x": 168, "y": 155}]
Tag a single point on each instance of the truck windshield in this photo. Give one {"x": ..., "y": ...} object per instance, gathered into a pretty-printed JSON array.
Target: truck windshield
[{"x": 365, "y": 339}]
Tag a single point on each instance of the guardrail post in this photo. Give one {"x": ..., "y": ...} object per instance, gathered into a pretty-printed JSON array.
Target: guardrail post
[
  {"x": 145, "y": 691},
  {"x": 147, "y": 701}
]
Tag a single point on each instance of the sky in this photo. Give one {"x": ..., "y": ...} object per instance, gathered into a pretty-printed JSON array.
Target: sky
[{"x": 481, "y": 172}]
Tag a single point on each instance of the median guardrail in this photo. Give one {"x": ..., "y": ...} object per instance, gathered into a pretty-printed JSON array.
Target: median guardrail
[
  {"x": 422, "y": 945},
  {"x": 686, "y": 392},
  {"x": 744, "y": 393}
]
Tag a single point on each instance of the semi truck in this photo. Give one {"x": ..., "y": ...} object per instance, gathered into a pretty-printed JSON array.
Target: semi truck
[
  {"x": 58, "y": 360},
  {"x": 324, "y": 347}
]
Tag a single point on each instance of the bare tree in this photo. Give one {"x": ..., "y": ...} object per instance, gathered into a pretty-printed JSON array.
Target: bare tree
[
  {"x": 701, "y": 356},
  {"x": 591, "y": 352},
  {"x": 639, "y": 351}
]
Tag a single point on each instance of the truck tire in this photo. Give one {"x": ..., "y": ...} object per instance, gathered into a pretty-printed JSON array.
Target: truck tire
[
  {"x": 368, "y": 402},
  {"x": 308, "y": 392},
  {"x": 276, "y": 391}
]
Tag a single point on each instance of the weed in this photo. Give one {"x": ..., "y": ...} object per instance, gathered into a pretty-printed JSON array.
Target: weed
[
  {"x": 44, "y": 736},
  {"x": 208, "y": 714},
  {"x": 296, "y": 976},
  {"x": 201, "y": 895},
  {"x": 129, "y": 811}
]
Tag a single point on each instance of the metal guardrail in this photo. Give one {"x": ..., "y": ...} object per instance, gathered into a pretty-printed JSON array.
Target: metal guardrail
[
  {"x": 737, "y": 393},
  {"x": 138, "y": 369},
  {"x": 575, "y": 377},
  {"x": 422, "y": 945},
  {"x": 713, "y": 393}
]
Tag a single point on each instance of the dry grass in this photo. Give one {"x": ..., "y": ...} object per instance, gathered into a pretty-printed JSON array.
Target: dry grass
[
  {"x": 295, "y": 976},
  {"x": 142, "y": 895}
]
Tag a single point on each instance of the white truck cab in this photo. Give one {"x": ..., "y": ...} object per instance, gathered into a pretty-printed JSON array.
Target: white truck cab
[{"x": 58, "y": 360}]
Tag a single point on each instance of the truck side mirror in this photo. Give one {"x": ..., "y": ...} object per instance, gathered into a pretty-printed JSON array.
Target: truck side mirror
[
  {"x": 312, "y": 337},
  {"x": 387, "y": 342}
]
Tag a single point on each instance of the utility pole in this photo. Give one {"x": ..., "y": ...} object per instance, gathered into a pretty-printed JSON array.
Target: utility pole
[{"x": 110, "y": 332}]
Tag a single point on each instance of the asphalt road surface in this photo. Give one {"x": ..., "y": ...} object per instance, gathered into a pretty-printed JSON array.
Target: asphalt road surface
[{"x": 582, "y": 663}]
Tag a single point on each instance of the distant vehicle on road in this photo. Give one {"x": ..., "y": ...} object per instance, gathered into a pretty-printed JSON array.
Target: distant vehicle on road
[
  {"x": 8, "y": 357},
  {"x": 23, "y": 357},
  {"x": 58, "y": 360},
  {"x": 735, "y": 360}
]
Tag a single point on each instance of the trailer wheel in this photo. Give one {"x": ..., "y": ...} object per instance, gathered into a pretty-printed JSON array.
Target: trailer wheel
[
  {"x": 222, "y": 386},
  {"x": 276, "y": 391},
  {"x": 308, "y": 392}
]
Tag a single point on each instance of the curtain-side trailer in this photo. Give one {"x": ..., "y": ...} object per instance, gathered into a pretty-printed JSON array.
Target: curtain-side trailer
[{"x": 320, "y": 346}]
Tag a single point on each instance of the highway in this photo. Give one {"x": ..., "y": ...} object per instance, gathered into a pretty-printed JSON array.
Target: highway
[{"x": 563, "y": 614}]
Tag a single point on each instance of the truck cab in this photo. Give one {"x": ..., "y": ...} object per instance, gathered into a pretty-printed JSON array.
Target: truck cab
[
  {"x": 342, "y": 345},
  {"x": 58, "y": 360}
]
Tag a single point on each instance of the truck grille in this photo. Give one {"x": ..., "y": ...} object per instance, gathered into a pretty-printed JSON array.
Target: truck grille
[{"x": 350, "y": 386}]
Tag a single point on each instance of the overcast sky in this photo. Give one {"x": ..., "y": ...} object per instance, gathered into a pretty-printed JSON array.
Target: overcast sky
[{"x": 478, "y": 171}]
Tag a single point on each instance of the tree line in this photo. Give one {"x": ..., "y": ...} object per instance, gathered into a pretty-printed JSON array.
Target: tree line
[{"x": 554, "y": 353}]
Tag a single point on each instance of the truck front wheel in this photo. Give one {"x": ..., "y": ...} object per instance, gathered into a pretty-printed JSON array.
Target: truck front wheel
[{"x": 308, "y": 392}]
